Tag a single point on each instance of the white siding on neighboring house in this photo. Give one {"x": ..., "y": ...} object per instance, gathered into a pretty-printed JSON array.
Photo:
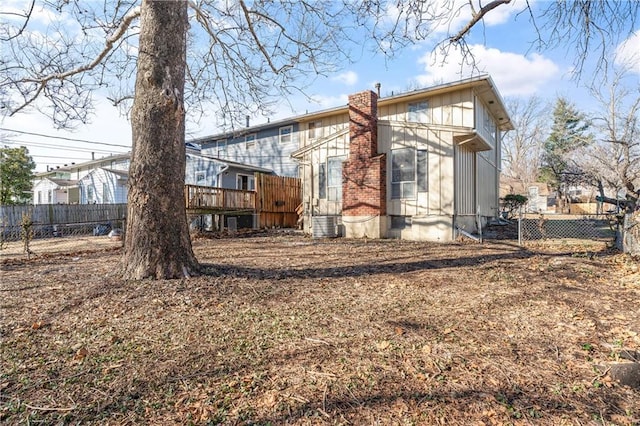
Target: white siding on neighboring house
[
  {"x": 102, "y": 186},
  {"x": 55, "y": 191},
  {"x": 44, "y": 192},
  {"x": 202, "y": 171}
]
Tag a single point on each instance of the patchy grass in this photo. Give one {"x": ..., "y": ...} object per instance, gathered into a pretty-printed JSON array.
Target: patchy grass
[{"x": 289, "y": 330}]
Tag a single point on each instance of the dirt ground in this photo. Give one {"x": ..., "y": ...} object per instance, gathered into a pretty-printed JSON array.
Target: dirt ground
[{"x": 284, "y": 329}]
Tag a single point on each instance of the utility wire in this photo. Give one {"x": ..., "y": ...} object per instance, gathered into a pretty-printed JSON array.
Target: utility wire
[
  {"x": 62, "y": 137},
  {"x": 57, "y": 147}
]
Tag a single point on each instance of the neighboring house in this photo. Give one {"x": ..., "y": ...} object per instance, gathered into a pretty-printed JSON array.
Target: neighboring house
[
  {"x": 267, "y": 146},
  {"x": 420, "y": 166},
  {"x": 105, "y": 181},
  {"x": 104, "y": 186},
  {"x": 56, "y": 188},
  {"x": 60, "y": 185},
  {"x": 540, "y": 199}
]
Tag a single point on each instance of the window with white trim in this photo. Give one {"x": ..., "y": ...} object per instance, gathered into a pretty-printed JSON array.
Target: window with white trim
[
  {"x": 90, "y": 194},
  {"x": 250, "y": 141},
  {"x": 245, "y": 182},
  {"x": 417, "y": 112},
  {"x": 201, "y": 177},
  {"x": 106, "y": 194},
  {"x": 409, "y": 172},
  {"x": 286, "y": 134},
  {"x": 334, "y": 178},
  {"x": 330, "y": 178}
]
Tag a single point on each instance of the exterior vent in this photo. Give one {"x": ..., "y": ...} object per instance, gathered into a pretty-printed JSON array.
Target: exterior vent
[{"x": 324, "y": 227}]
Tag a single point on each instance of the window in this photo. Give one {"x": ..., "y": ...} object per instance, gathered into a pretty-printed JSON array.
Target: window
[
  {"x": 285, "y": 134},
  {"x": 488, "y": 123},
  {"x": 409, "y": 172},
  {"x": 250, "y": 141},
  {"x": 201, "y": 178},
  {"x": 400, "y": 222},
  {"x": 330, "y": 179},
  {"x": 221, "y": 147},
  {"x": 245, "y": 182},
  {"x": 334, "y": 178},
  {"x": 39, "y": 197},
  {"x": 90, "y": 194},
  {"x": 417, "y": 112},
  {"x": 105, "y": 193},
  {"x": 422, "y": 170},
  {"x": 322, "y": 181},
  {"x": 403, "y": 173},
  {"x": 50, "y": 197},
  {"x": 315, "y": 130}
]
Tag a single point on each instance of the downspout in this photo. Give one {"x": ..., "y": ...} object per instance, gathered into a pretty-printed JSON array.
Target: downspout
[{"x": 222, "y": 170}]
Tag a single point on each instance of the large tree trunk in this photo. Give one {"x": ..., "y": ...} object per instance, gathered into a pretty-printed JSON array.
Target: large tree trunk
[{"x": 157, "y": 243}]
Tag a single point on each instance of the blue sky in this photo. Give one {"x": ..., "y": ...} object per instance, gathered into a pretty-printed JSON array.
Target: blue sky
[{"x": 502, "y": 47}]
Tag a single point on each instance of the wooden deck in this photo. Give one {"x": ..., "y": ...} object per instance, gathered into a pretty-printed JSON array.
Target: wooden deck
[
  {"x": 206, "y": 199},
  {"x": 277, "y": 201}
]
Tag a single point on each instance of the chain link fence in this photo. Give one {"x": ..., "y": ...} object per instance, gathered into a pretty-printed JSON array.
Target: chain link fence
[{"x": 537, "y": 227}]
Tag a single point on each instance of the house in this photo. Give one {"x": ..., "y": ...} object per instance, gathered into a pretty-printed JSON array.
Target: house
[
  {"x": 267, "y": 146},
  {"x": 61, "y": 185},
  {"x": 105, "y": 181},
  {"x": 421, "y": 165},
  {"x": 540, "y": 198}
]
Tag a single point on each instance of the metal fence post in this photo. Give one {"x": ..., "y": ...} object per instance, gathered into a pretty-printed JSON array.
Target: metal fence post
[{"x": 520, "y": 226}]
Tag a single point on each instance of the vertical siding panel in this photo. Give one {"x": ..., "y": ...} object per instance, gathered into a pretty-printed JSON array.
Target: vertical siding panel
[
  {"x": 435, "y": 173},
  {"x": 465, "y": 189}
]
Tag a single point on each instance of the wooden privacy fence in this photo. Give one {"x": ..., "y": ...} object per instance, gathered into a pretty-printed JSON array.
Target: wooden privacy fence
[
  {"x": 278, "y": 201},
  {"x": 49, "y": 219},
  {"x": 62, "y": 214}
]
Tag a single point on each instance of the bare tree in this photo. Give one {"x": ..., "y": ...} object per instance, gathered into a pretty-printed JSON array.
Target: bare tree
[
  {"x": 613, "y": 161},
  {"x": 522, "y": 147},
  {"x": 234, "y": 56}
]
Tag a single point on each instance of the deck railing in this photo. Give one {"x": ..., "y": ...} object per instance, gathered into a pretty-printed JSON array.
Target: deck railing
[{"x": 210, "y": 198}]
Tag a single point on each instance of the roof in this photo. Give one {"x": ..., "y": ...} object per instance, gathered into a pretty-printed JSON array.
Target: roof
[
  {"x": 239, "y": 165},
  {"x": 120, "y": 173},
  {"x": 114, "y": 157},
  {"x": 63, "y": 182}
]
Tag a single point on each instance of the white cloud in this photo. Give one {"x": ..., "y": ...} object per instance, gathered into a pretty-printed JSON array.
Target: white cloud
[
  {"x": 628, "y": 53},
  {"x": 513, "y": 73},
  {"x": 348, "y": 78},
  {"x": 328, "y": 101}
]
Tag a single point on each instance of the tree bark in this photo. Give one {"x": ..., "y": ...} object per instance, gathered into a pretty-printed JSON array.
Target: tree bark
[{"x": 157, "y": 243}]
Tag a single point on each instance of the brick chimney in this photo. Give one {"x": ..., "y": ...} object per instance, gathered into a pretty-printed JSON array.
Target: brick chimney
[{"x": 364, "y": 177}]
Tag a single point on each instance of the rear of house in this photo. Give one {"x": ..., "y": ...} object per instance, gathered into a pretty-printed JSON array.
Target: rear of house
[{"x": 422, "y": 165}]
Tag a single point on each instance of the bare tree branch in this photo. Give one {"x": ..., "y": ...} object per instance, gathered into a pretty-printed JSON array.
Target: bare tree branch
[
  {"x": 27, "y": 16},
  {"x": 476, "y": 17}
]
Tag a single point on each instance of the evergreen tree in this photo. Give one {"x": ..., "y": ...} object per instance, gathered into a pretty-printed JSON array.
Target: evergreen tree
[
  {"x": 569, "y": 132},
  {"x": 16, "y": 173}
]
